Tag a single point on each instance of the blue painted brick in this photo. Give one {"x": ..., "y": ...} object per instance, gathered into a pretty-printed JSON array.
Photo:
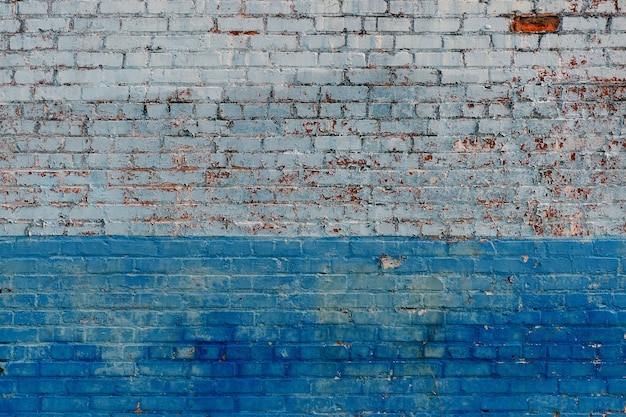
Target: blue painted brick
[
  {"x": 215, "y": 403},
  {"x": 471, "y": 248},
  {"x": 94, "y": 386},
  {"x": 241, "y": 325},
  {"x": 118, "y": 404},
  {"x": 64, "y": 369},
  {"x": 21, "y": 369},
  {"x": 611, "y": 247},
  {"x": 462, "y": 266},
  {"x": 41, "y": 386},
  {"x": 19, "y": 404},
  {"x": 230, "y": 247},
  {"x": 92, "y": 247},
  {"x": 264, "y": 403},
  {"x": 214, "y": 370},
  {"x": 64, "y": 404},
  {"x": 61, "y": 352},
  {"x": 504, "y": 403},
  {"x": 164, "y": 403},
  {"x": 279, "y": 248},
  {"x": 569, "y": 369}
]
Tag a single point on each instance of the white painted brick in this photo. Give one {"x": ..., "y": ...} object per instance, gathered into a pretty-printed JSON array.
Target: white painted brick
[
  {"x": 514, "y": 41},
  {"x": 433, "y": 24},
  {"x": 370, "y": 41},
  {"x": 263, "y": 75},
  {"x": 618, "y": 23},
  {"x": 584, "y": 24},
  {"x": 414, "y": 8},
  {"x": 179, "y": 43},
  {"x": 293, "y": 59},
  {"x": 118, "y": 93},
  {"x": 46, "y": 58},
  {"x": 541, "y": 59},
  {"x": 97, "y": 59},
  {"x": 461, "y": 42},
  {"x": 32, "y": 7},
  {"x": 510, "y": 7},
  {"x": 29, "y": 42},
  {"x": 464, "y": 75},
  {"x": 12, "y": 60},
  {"x": 319, "y": 76},
  {"x": 609, "y": 41},
  {"x": 398, "y": 59},
  {"x": 319, "y": 7},
  {"x": 136, "y": 59},
  {"x": 24, "y": 76},
  {"x": 222, "y": 7},
  {"x": 237, "y": 24},
  {"x": 461, "y": 7},
  {"x": 274, "y": 42},
  {"x": 47, "y": 25},
  {"x": 6, "y": 76},
  {"x": 100, "y": 24},
  {"x": 229, "y": 40},
  {"x": 143, "y": 24},
  {"x": 556, "y": 41},
  {"x": 10, "y": 26},
  {"x": 14, "y": 93},
  {"x": 438, "y": 59},
  {"x": 80, "y": 43},
  {"x": 198, "y": 60},
  {"x": 364, "y": 7},
  {"x": 417, "y": 42},
  {"x": 417, "y": 76},
  {"x": 487, "y": 59},
  {"x": 265, "y": 7},
  {"x": 53, "y": 93},
  {"x": 167, "y": 6},
  {"x": 337, "y": 24},
  {"x": 286, "y": 25},
  {"x": 121, "y": 6},
  {"x": 190, "y": 24},
  {"x": 323, "y": 42},
  {"x": 297, "y": 93},
  {"x": 125, "y": 42},
  {"x": 368, "y": 76},
  {"x": 74, "y": 7},
  {"x": 486, "y": 24},
  {"x": 159, "y": 60},
  {"x": 394, "y": 24}
]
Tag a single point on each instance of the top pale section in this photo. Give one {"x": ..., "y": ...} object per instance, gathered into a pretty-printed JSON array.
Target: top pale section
[{"x": 442, "y": 119}]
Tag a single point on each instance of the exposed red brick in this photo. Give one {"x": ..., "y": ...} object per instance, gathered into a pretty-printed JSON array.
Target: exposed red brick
[{"x": 536, "y": 23}]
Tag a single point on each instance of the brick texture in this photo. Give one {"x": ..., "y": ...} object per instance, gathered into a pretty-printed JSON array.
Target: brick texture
[
  {"x": 96, "y": 326},
  {"x": 326, "y": 118}
]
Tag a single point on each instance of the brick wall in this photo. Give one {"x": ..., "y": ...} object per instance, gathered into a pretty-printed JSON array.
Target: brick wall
[
  {"x": 299, "y": 327},
  {"x": 380, "y": 117},
  {"x": 326, "y": 207}
]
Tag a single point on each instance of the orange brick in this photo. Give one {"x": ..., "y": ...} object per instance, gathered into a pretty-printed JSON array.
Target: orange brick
[{"x": 536, "y": 23}]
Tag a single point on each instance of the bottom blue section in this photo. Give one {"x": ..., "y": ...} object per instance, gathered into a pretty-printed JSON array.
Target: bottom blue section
[{"x": 112, "y": 326}]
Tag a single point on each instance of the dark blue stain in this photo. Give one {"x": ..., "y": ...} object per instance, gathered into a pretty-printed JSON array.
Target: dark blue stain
[{"x": 103, "y": 326}]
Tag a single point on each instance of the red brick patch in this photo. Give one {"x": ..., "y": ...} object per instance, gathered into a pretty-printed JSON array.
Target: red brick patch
[{"x": 536, "y": 23}]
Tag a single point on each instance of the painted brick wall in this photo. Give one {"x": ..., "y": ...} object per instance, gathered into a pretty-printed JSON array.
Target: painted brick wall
[
  {"x": 318, "y": 118},
  {"x": 300, "y": 327},
  {"x": 438, "y": 186}
]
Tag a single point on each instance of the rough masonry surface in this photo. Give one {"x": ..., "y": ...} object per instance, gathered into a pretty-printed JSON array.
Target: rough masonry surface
[
  {"x": 313, "y": 118},
  {"x": 323, "y": 207},
  {"x": 113, "y": 327}
]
